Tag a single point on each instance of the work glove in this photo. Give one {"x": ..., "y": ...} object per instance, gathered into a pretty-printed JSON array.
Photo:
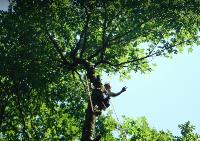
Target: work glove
[{"x": 124, "y": 89}]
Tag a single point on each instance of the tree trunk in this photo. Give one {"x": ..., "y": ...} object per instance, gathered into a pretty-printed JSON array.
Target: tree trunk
[
  {"x": 89, "y": 124},
  {"x": 90, "y": 116}
]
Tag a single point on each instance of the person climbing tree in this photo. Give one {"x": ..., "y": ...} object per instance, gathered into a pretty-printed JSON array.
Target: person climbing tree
[
  {"x": 101, "y": 97},
  {"x": 109, "y": 93}
]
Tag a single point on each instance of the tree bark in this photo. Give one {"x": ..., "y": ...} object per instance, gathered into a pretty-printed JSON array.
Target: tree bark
[
  {"x": 90, "y": 116},
  {"x": 90, "y": 113},
  {"x": 89, "y": 124}
]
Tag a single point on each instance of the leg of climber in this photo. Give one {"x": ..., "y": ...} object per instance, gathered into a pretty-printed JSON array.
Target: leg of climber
[{"x": 97, "y": 138}]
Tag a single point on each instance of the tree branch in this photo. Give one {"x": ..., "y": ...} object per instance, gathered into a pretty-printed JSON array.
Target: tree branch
[
  {"x": 151, "y": 54},
  {"x": 104, "y": 39},
  {"x": 83, "y": 37},
  {"x": 84, "y": 85},
  {"x": 104, "y": 42},
  {"x": 109, "y": 42},
  {"x": 56, "y": 46},
  {"x": 85, "y": 32}
]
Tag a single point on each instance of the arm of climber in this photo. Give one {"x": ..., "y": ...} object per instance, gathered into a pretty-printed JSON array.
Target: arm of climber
[{"x": 112, "y": 94}]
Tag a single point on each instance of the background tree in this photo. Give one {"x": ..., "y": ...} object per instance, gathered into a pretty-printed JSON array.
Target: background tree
[
  {"x": 187, "y": 133},
  {"x": 48, "y": 48}
]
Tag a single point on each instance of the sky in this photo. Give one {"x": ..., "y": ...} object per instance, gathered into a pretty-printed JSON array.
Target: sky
[
  {"x": 3, "y": 4},
  {"x": 167, "y": 96}
]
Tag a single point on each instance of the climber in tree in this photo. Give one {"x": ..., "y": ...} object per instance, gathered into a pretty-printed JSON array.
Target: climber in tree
[
  {"x": 108, "y": 93},
  {"x": 101, "y": 95}
]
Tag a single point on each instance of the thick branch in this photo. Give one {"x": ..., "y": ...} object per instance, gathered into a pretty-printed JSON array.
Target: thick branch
[
  {"x": 116, "y": 40},
  {"x": 81, "y": 44},
  {"x": 56, "y": 46},
  {"x": 85, "y": 32},
  {"x": 150, "y": 54},
  {"x": 107, "y": 23},
  {"x": 104, "y": 42}
]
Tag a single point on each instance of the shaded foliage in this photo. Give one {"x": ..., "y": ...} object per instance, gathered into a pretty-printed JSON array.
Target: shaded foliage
[{"x": 49, "y": 50}]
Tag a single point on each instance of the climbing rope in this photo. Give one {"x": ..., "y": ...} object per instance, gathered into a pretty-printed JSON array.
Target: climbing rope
[
  {"x": 120, "y": 125},
  {"x": 89, "y": 94},
  {"x": 114, "y": 111}
]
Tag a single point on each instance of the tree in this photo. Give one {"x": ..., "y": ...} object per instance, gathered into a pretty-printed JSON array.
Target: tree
[
  {"x": 48, "y": 48},
  {"x": 138, "y": 130},
  {"x": 187, "y": 132}
]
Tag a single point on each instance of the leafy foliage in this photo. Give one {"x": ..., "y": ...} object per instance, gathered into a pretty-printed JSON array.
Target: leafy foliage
[
  {"x": 187, "y": 133},
  {"x": 47, "y": 48},
  {"x": 139, "y": 130}
]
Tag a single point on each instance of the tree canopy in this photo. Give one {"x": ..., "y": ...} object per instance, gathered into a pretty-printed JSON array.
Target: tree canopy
[{"x": 50, "y": 50}]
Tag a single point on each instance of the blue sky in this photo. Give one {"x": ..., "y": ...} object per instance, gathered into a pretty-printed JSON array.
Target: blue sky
[
  {"x": 3, "y": 4},
  {"x": 167, "y": 96}
]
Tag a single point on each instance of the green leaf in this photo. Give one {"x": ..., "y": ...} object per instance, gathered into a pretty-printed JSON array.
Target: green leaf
[{"x": 190, "y": 50}]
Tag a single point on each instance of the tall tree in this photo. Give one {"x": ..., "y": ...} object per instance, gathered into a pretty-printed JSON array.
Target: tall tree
[{"x": 47, "y": 44}]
